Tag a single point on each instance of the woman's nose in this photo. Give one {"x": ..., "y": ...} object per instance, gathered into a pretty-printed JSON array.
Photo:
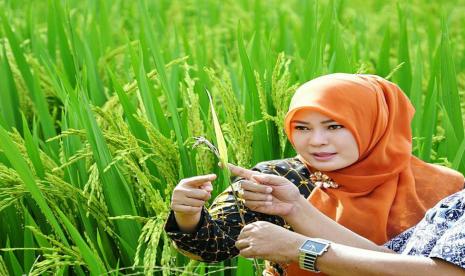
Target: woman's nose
[{"x": 318, "y": 137}]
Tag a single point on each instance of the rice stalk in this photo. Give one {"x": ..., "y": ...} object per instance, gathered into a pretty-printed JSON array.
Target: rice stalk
[
  {"x": 223, "y": 158},
  {"x": 58, "y": 256},
  {"x": 93, "y": 190},
  {"x": 11, "y": 188},
  {"x": 130, "y": 87},
  {"x": 46, "y": 160},
  {"x": 280, "y": 94},
  {"x": 204, "y": 161},
  {"x": 52, "y": 263},
  {"x": 168, "y": 255},
  {"x": 150, "y": 237},
  {"x": 237, "y": 132},
  {"x": 393, "y": 71},
  {"x": 148, "y": 194},
  {"x": 67, "y": 197},
  {"x": 165, "y": 156}
]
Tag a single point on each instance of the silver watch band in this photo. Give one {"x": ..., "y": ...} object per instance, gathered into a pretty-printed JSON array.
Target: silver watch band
[
  {"x": 309, "y": 251},
  {"x": 308, "y": 262}
]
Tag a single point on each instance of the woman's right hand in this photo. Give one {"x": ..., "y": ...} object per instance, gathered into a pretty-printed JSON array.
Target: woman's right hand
[{"x": 188, "y": 199}]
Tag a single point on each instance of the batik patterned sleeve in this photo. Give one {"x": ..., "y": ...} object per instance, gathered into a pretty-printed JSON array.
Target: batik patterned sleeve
[
  {"x": 214, "y": 240},
  {"x": 398, "y": 243},
  {"x": 450, "y": 246},
  {"x": 440, "y": 234}
]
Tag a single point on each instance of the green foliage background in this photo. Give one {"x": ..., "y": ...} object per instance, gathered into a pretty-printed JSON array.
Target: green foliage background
[{"x": 100, "y": 99}]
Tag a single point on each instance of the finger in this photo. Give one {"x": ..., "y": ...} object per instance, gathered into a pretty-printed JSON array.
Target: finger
[
  {"x": 242, "y": 172},
  {"x": 246, "y": 195},
  {"x": 254, "y": 205},
  {"x": 269, "y": 179},
  {"x": 198, "y": 194},
  {"x": 242, "y": 244},
  {"x": 197, "y": 181},
  {"x": 207, "y": 187},
  {"x": 249, "y": 227},
  {"x": 186, "y": 209},
  {"x": 245, "y": 232},
  {"x": 251, "y": 186},
  {"x": 248, "y": 252},
  {"x": 191, "y": 202}
]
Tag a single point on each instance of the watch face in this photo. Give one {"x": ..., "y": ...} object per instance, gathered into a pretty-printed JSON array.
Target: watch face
[{"x": 314, "y": 246}]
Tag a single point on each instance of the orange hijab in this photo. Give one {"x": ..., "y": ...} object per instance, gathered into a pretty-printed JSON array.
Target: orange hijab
[{"x": 387, "y": 190}]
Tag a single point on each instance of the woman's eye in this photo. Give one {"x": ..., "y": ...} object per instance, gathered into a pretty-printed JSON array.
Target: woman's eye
[
  {"x": 335, "y": 126},
  {"x": 300, "y": 128}
]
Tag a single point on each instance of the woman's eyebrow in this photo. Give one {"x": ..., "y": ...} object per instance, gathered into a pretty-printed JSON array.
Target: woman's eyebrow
[
  {"x": 298, "y": 122},
  {"x": 328, "y": 121},
  {"x": 305, "y": 123}
]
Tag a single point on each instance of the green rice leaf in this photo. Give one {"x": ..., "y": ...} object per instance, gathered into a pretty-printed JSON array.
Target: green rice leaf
[
  {"x": 18, "y": 54},
  {"x": 452, "y": 142},
  {"x": 20, "y": 165},
  {"x": 10, "y": 258},
  {"x": 222, "y": 148},
  {"x": 92, "y": 260},
  {"x": 31, "y": 222},
  {"x": 9, "y": 105},
  {"x": 252, "y": 103},
  {"x": 95, "y": 83},
  {"x": 245, "y": 266},
  {"x": 57, "y": 11},
  {"x": 129, "y": 109},
  {"x": 428, "y": 126},
  {"x": 29, "y": 255},
  {"x": 169, "y": 91},
  {"x": 32, "y": 150},
  {"x": 459, "y": 156},
  {"x": 404, "y": 74},
  {"x": 382, "y": 67},
  {"x": 115, "y": 187},
  {"x": 416, "y": 94},
  {"x": 448, "y": 85},
  {"x": 51, "y": 32}
]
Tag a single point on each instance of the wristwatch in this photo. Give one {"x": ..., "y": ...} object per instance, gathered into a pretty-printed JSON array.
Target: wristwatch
[{"x": 309, "y": 251}]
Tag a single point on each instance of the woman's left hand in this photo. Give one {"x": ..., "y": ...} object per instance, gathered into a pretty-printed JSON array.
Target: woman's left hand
[
  {"x": 268, "y": 241},
  {"x": 266, "y": 193}
]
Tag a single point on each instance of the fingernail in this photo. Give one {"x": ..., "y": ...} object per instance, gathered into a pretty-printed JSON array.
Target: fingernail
[
  {"x": 269, "y": 189},
  {"x": 269, "y": 198}
]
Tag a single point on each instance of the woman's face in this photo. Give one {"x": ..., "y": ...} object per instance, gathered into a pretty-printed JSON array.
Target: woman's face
[{"x": 325, "y": 144}]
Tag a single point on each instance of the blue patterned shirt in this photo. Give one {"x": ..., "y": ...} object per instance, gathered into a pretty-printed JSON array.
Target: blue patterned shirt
[{"x": 440, "y": 234}]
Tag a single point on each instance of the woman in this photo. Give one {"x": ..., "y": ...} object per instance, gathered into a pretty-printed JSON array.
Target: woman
[
  {"x": 435, "y": 246},
  {"x": 353, "y": 139}
]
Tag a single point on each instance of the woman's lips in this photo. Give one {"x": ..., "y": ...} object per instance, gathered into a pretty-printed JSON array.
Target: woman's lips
[{"x": 323, "y": 156}]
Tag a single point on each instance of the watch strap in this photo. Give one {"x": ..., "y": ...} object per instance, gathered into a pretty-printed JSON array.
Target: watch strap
[
  {"x": 307, "y": 258},
  {"x": 308, "y": 262}
]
